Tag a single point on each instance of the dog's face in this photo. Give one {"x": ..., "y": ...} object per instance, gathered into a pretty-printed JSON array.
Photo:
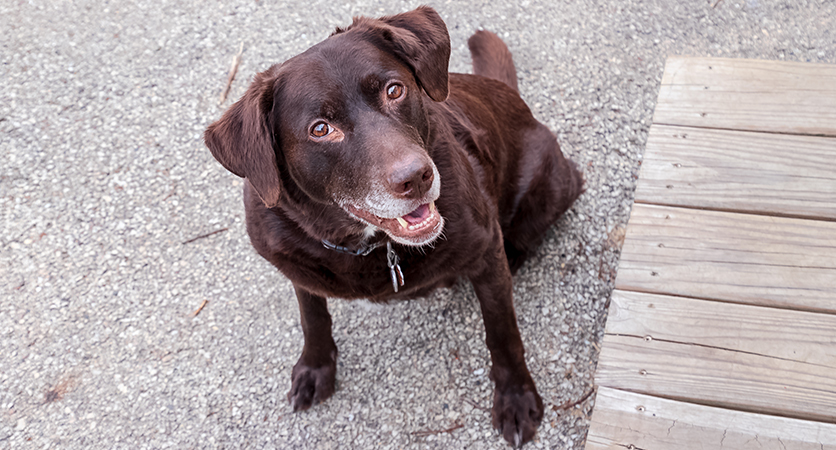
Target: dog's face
[
  {"x": 352, "y": 127},
  {"x": 346, "y": 123}
]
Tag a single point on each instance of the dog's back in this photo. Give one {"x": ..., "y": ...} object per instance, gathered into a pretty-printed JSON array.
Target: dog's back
[
  {"x": 492, "y": 59},
  {"x": 539, "y": 183}
]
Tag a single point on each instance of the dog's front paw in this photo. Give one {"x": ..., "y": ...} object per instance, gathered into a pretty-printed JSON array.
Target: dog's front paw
[
  {"x": 517, "y": 412},
  {"x": 311, "y": 385}
]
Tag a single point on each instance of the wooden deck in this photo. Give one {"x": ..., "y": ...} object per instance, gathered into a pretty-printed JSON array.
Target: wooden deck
[{"x": 722, "y": 328}]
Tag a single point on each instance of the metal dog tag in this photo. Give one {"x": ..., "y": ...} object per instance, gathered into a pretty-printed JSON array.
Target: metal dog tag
[{"x": 394, "y": 268}]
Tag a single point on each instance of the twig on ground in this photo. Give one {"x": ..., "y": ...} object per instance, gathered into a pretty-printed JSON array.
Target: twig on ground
[
  {"x": 205, "y": 235},
  {"x": 232, "y": 71},
  {"x": 473, "y": 404},
  {"x": 425, "y": 433},
  {"x": 170, "y": 194},
  {"x": 714, "y": 6},
  {"x": 200, "y": 308},
  {"x": 572, "y": 404}
]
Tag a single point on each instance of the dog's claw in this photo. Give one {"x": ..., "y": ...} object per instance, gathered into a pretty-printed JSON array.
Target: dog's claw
[{"x": 517, "y": 415}]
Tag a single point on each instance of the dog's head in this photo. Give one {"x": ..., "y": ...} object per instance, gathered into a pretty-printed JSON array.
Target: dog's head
[{"x": 346, "y": 123}]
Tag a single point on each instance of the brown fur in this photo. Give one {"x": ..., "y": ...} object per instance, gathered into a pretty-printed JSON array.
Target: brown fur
[
  {"x": 492, "y": 59},
  {"x": 503, "y": 183}
]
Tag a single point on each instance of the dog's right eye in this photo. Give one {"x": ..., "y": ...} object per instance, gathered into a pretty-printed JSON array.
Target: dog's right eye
[
  {"x": 395, "y": 91},
  {"x": 320, "y": 129}
]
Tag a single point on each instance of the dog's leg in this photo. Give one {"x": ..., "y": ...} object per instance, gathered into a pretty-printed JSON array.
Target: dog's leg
[
  {"x": 316, "y": 370},
  {"x": 517, "y": 407},
  {"x": 552, "y": 184}
]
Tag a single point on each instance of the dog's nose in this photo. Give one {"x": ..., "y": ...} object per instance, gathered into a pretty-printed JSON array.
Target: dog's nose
[{"x": 411, "y": 178}]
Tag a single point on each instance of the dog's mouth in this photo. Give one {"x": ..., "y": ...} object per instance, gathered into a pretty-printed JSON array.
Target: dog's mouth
[{"x": 419, "y": 227}]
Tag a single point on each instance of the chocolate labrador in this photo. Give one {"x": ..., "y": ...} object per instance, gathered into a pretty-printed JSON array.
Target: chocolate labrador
[{"x": 371, "y": 172}]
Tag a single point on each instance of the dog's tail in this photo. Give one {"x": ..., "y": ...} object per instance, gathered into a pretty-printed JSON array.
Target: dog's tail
[{"x": 492, "y": 59}]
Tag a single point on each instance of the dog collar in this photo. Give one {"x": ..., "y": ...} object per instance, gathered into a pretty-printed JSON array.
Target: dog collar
[
  {"x": 362, "y": 251},
  {"x": 392, "y": 259}
]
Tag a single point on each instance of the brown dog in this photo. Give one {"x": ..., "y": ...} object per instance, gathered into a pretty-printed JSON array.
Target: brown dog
[{"x": 373, "y": 173}]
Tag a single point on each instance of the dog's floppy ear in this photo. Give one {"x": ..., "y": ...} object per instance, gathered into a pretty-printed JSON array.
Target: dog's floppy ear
[
  {"x": 243, "y": 142},
  {"x": 420, "y": 38}
]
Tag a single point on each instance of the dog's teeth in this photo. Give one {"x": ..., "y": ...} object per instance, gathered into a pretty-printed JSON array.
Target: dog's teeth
[
  {"x": 432, "y": 207},
  {"x": 403, "y": 222}
]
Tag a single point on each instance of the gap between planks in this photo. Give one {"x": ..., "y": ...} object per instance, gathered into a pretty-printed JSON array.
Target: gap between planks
[
  {"x": 735, "y": 211},
  {"x": 778, "y": 307},
  {"x": 768, "y": 132}
]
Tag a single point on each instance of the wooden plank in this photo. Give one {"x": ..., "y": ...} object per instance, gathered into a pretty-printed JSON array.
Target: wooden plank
[
  {"x": 746, "y": 94},
  {"x": 627, "y": 420},
  {"x": 735, "y": 356},
  {"x": 734, "y": 257},
  {"x": 718, "y": 377},
  {"x": 739, "y": 171},
  {"x": 804, "y": 337}
]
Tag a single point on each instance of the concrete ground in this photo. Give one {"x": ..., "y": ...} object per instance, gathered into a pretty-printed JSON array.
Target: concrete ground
[{"x": 105, "y": 182}]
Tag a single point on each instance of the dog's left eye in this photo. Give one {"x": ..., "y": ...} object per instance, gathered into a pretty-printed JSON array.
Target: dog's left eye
[
  {"x": 320, "y": 129},
  {"x": 395, "y": 91}
]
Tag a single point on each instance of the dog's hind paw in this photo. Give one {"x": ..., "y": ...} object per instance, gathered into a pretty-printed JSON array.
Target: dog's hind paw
[
  {"x": 516, "y": 415},
  {"x": 311, "y": 385}
]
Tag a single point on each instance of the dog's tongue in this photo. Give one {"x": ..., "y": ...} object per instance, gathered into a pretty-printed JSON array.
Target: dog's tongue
[
  {"x": 418, "y": 215},
  {"x": 416, "y": 226}
]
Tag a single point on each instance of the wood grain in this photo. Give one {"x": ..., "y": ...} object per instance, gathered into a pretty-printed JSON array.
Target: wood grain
[
  {"x": 804, "y": 337},
  {"x": 628, "y": 420},
  {"x": 717, "y": 376},
  {"x": 740, "y": 258},
  {"x": 740, "y": 171},
  {"x": 722, "y": 328},
  {"x": 746, "y": 94}
]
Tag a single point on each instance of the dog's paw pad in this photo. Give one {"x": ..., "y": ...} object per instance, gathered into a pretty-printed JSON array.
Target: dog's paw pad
[
  {"x": 517, "y": 415},
  {"x": 311, "y": 385}
]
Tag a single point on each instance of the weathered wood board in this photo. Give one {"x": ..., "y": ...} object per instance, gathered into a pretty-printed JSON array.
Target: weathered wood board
[
  {"x": 741, "y": 258},
  {"x": 741, "y": 171},
  {"x": 626, "y": 420},
  {"x": 722, "y": 328},
  {"x": 735, "y": 356},
  {"x": 748, "y": 94},
  {"x": 718, "y": 377},
  {"x": 803, "y": 337}
]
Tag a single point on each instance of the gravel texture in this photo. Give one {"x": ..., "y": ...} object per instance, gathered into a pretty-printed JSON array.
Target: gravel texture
[{"x": 105, "y": 177}]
